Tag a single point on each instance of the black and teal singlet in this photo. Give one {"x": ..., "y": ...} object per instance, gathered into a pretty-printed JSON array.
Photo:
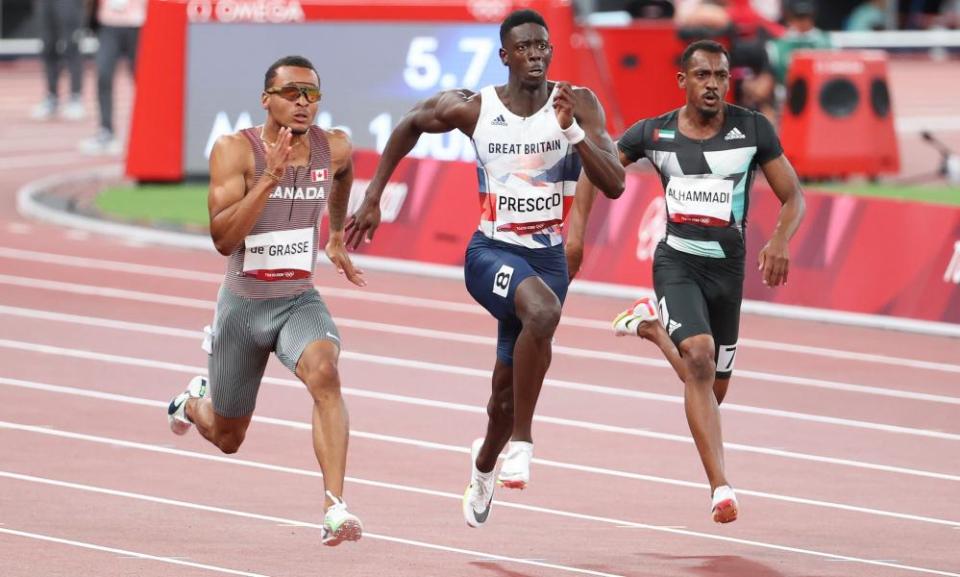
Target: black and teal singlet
[{"x": 706, "y": 182}]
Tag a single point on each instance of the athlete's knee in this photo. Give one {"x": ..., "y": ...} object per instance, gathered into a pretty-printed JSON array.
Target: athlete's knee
[
  {"x": 322, "y": 379},
  {"x": 698, "y": 356},
  {"x": 542, "y": 317}
]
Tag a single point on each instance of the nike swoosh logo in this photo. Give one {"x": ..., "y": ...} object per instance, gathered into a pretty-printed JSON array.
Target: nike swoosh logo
[{"x": 482, "y": 517}]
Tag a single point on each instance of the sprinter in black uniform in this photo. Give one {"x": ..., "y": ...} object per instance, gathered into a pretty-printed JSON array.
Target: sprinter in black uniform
[{"x": 706, "y": 153}]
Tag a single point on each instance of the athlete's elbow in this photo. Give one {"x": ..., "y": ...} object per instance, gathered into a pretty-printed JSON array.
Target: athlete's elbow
[
  {"x": 223, "y": 246},
  {"x": 614, "y": 190}
]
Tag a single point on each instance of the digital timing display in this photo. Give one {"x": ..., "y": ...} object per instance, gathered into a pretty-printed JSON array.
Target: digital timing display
[{"x": 371, "y": 74}]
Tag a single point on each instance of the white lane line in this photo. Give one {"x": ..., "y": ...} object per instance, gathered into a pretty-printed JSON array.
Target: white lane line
[
  {"x": 44, "y": 430},
  {"x": 45, "y": 159},
  {"x": 435, "y": 304},
  {"x": 409, "y": 363},
  {"x": 127, "y": 552},
  {"x": 277, "y": 520},
  {"x": 438, "y": 367},
  {"x": 194, "y": 370},
  {"x": 779, "y": 379},
  {"x": 568, "y": 514}
]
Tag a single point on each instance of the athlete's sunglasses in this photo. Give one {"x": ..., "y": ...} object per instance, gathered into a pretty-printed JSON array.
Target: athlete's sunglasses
[{"x": 292, "y": 92}]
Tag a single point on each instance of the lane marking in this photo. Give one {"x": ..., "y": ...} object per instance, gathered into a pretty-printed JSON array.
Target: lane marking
[
  {"x": 127, "y": 553},
  {"x": 468, "y": 308},
  {"x": 439, "y": 367},
  {"x": 417, "y": 401},
  {"x": 606, "y": 520},
  {"x": 433, "y": 446},
  {"x": 193, "y": 370},
  {"x": 277, "y": 520},
  {"x": 154, "y": 298}
]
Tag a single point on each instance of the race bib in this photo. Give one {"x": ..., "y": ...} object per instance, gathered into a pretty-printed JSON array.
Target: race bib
[
  {"x": 280, "y": 255},
  {"x": 705, "y": 200},
  {"x": 531, "y": 214}
]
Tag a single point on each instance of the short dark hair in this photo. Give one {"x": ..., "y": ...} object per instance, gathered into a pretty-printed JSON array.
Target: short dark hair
[
  {"x": 295, "y": 61},
  {"x": 520, "y": 17},
  {"x": 705, "y": 45}
]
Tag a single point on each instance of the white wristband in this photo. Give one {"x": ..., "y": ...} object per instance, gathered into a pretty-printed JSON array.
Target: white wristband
[{"x": 574, "y": 133}]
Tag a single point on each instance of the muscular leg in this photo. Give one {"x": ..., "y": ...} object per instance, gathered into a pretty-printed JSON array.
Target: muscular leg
[
  {"x": 317, "y": 368},
  {"x": 224, "y": 432},
  {"x": 700, "y": 403},
  {"x": 538, "y": 308},
  {"x": 720, "y": 388},
  {"x": 500, "y": 417},
  {"x": 654, "y": 332}
]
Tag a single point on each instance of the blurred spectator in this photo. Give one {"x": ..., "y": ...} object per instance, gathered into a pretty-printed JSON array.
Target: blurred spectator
[
  {"x": 924, "y": 14},
  {"x": 120, "y": 22},
  {"x": 869, "y": 15},
  {"x": 801, "y": 33},
  {"x": 60, "y": 23},
  {"x": 703, "y": 14},
  {"x": 752, "y": 82}
]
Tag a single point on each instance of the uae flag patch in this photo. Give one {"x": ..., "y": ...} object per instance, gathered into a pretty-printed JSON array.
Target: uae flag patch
[
  {"x": 659, "y": 134},
  {"x": 318, "y": 174}
]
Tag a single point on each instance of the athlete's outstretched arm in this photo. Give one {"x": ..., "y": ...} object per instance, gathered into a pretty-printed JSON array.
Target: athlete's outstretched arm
[
  {"x": 774, "y": 257},
  {"x": 596, "y": 150},
  {"x": 341, "y": 161},
  {"x": 577, "y": 223},
  {"x": 442, "y": 112},
  {"x": 233, "y": 209}
]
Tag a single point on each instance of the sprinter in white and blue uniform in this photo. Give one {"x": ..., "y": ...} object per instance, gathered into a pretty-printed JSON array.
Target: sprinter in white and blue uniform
[{"x": 532, "y": 138}]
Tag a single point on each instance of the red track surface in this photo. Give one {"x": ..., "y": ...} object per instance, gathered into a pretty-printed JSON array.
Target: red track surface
[{"x": 844, "y": 466}]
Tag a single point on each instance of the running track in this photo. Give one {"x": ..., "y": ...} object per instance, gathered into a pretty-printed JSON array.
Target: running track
[{"x": 844, "y": 447}]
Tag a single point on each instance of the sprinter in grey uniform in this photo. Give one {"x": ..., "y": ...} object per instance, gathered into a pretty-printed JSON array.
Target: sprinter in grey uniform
[{"x": 269, "y": 186}]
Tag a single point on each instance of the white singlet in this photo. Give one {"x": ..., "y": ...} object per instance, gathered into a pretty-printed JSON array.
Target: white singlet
[{"x": 527, "y": 173}]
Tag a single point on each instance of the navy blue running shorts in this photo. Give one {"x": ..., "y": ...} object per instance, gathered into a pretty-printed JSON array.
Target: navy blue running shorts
[{"x": 493, "y": 270}]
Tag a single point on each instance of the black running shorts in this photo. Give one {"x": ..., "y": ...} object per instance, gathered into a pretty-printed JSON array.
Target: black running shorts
[{"x": 699, "y": 295}]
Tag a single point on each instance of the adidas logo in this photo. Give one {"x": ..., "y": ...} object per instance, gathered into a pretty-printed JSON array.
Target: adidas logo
[
  {"x": 735, "y": 134},
  {"x": 674, "y": 325},
  {"x": 499, "y": 121}
]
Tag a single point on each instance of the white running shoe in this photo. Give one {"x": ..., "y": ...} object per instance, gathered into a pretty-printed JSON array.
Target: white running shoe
[
  {"x": 45, "y": 109},
  {"x": 724, "y": 505},
  {"x": 641, "y": 311},
  {"x": 177, "y": 411},
  {"x": 340, "y": 525},
  {"x": 515, "y": 472},
  {"x": 73, "y": 109},
  {"x": 103, "y": 143},
  {"x": 478, "y": 498}
]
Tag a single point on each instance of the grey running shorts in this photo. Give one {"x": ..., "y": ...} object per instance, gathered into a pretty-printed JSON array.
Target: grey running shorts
[{"x": 245, "y": 332}]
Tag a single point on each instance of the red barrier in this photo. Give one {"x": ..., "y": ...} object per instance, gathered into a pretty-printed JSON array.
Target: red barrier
[
  {"x": 852, "y": 254},
  {"x": 639, "y": 63},
  {"x": 838, "y": 118}
]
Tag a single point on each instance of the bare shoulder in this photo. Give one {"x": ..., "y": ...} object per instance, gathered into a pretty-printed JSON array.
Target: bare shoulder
[
  {"x": 341, "y": 147},
  {"x": 339, "y": 141},
  {"x": 458, "y": 101},
  {"x": 233, "y": 151}
]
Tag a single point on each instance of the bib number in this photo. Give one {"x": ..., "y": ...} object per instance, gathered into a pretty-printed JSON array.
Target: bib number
[
  {"x": 703, "y": 200},
  {"x": 280, "y": 255}
]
